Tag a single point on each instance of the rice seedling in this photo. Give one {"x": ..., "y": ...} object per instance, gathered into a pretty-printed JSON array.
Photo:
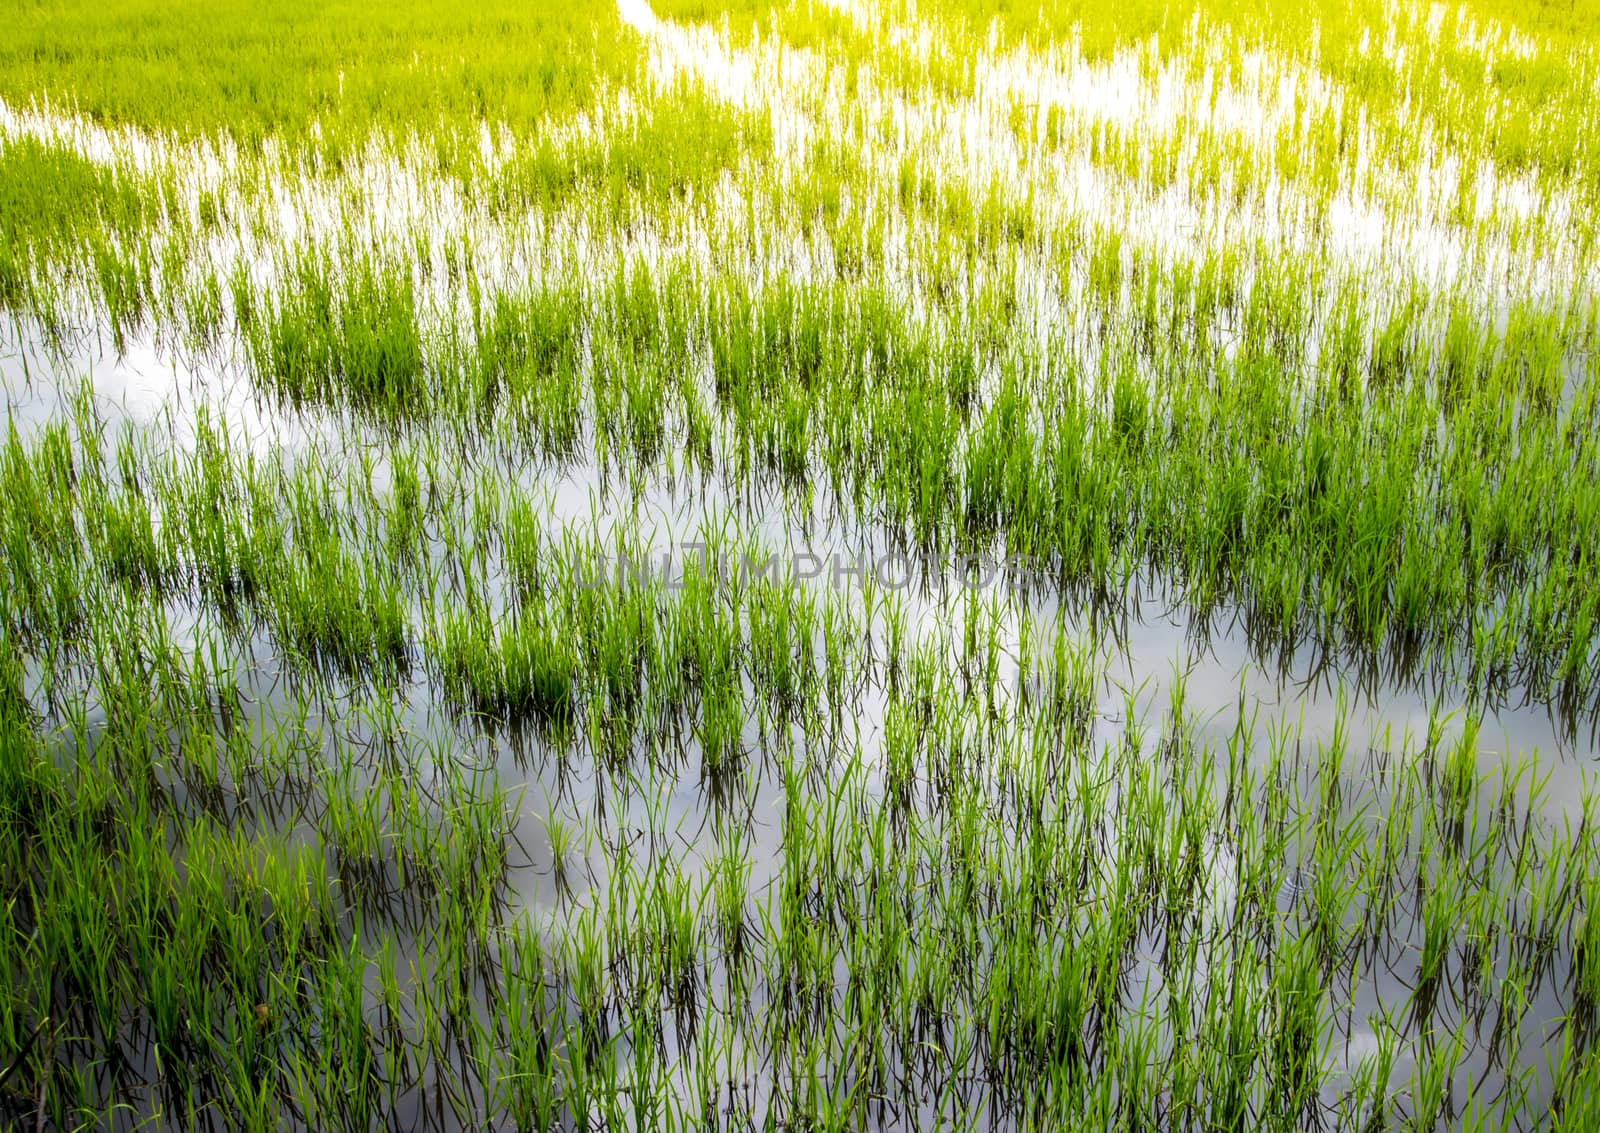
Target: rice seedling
[{"x": 951, "y": 508}]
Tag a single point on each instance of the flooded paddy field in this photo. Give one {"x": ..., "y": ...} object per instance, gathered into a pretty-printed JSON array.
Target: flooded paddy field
[{"x": 799, "y": 566}]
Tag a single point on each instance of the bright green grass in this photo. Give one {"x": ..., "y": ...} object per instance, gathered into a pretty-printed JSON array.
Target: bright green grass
[
  {"x": 204, "y": 67},
  {"x": 62, "y": 216},
  {"x": 338, "y": 773}
]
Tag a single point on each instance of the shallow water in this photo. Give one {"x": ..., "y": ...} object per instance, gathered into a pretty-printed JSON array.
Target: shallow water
[
  {"x": 1288, "y": 706},
  {"x": 1147, "y": 645}
]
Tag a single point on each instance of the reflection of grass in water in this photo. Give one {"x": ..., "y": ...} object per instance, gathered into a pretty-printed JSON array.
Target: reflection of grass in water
[
  {"x": 1313, "y": 513},
  {"x": 1013, "y": 885},
  {"x": 344, "y": 336},
  {"x": 818, "y": 858}
]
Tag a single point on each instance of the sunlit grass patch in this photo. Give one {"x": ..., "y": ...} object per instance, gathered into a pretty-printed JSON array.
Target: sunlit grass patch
[
  {"x": 248, "y": 74},
  {"x": 682, "y": 141}
]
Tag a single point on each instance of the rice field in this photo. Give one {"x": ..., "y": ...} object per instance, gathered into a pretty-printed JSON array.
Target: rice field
[{"x": 800, "y": 565}]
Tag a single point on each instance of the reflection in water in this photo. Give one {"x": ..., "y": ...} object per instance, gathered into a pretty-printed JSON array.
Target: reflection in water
[{"x": 1176, "y": 703}]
